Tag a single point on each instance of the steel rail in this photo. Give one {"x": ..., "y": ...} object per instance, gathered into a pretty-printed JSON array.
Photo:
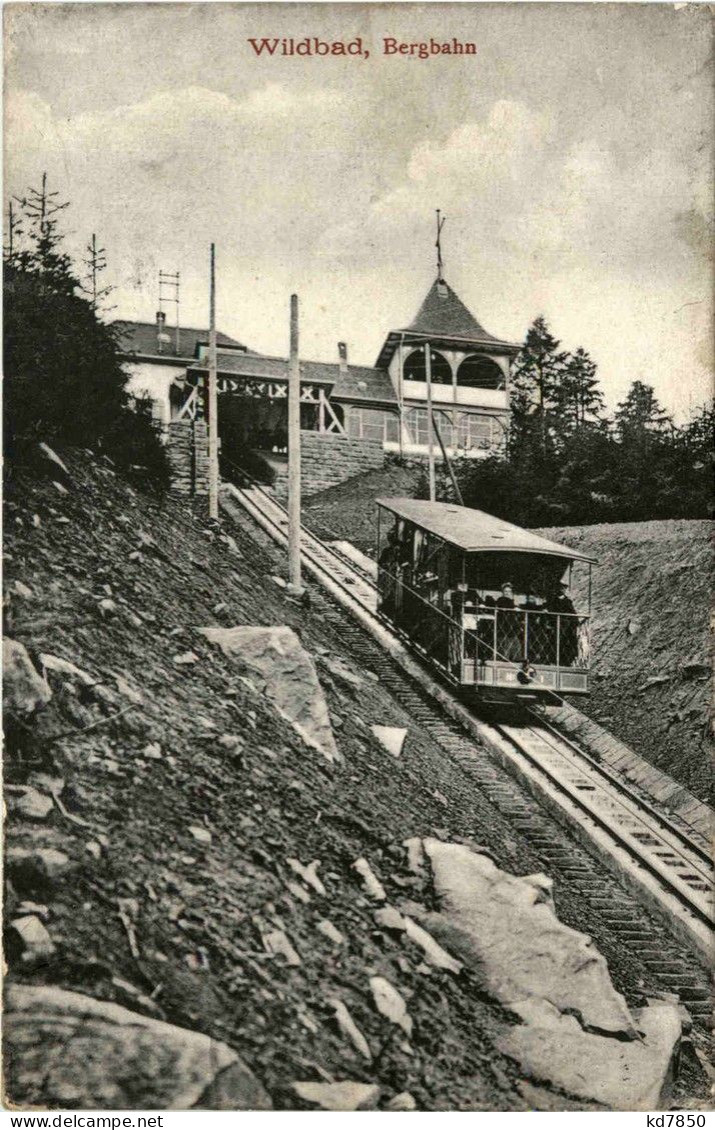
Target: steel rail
[{"x": 626, "y": 789}]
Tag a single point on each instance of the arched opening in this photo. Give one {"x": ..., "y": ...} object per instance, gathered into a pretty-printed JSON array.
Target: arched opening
[
  {"x": 414, "y": 367},
  {"x": 479, "y": 372}
]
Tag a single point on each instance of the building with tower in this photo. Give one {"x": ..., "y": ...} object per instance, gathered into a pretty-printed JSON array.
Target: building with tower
[{"x": 351, "y": 415}]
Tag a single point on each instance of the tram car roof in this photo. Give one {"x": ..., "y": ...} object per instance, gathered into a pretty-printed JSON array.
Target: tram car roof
[{"x": 474, "y": 531}]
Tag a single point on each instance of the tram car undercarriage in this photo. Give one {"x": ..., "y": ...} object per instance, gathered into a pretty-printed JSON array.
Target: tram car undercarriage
[{"x": 487, "y": 604}]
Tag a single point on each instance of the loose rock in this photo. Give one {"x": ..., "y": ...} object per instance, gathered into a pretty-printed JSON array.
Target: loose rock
[
  {"x": 340, "y": 671},
  {"x": 339, "y": 1096},
  {"x": 391, "y": 738},
  {"x": 349, "y": 1028},
  {"x": 276, "y": 654},
  {"x": 403, "y": 1101},
  {"x": 298, "y": 892},
  {"x": 433, "y": 952},
  {"x": 415, "y": 855},
  {"x": 330, "y": 932},
  {"x": 308, "y": 874},
  {"x": 136, "y": 1061},
  {"x": 35, "y": 868},
  {"x": 52, "y": 457},
  {"x": 65, "y": 667},
  {"x": 200, "y": 834},
  {"x": 277, "y": 943},
  {"x": 24, "y": 689},
  {"x": 23, "y": 800},
  {"x": 371, "y": 884},
  {"x": 29, "y": 940},
  {"x": 390, "y": 919},
  {"x": 390, "y": 1004}
]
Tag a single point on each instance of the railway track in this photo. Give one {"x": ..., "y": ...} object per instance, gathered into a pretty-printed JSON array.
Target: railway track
[{"x": 657, "y": 862}]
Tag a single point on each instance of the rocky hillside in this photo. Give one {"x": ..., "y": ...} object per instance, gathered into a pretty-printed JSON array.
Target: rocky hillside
[{"x": 204, "y": 836}]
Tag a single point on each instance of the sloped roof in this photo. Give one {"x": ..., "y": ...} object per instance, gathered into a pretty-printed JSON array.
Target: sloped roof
[
  {"x": 475, "y": 531},
  {"x": 444, "y": 314},
  {"x": 141, "y": 338},
  {"x": 445, "y": 320},
  {"x": 360, "y": 383}
]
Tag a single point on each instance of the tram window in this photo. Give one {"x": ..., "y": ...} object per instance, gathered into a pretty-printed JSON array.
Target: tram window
[{"x": 429, "y": 565}]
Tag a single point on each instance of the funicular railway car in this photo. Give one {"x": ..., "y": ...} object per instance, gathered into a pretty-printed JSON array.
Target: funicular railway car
[{"x": 486, "y": 603}]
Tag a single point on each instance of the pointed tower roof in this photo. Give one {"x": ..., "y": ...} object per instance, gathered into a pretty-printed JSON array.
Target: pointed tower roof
[
  {"x": 444, "y": 314},
  {"x": 445, "y": 319}
]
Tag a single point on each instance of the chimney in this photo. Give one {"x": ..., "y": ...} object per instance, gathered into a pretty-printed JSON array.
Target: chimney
[
  {"x": 343, "y": 356},
  {"x": 161, "y": 335}
]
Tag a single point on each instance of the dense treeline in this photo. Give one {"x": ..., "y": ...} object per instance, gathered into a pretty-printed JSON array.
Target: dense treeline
[
  {"x": 64, "y": 383},
  {"x": 565, "y": 462}
]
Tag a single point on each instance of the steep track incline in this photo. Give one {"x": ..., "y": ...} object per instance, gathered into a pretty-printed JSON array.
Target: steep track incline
[{"x": 662, "y": 865}]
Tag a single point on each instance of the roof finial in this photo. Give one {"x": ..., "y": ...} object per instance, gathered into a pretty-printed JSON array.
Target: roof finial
[{"x": 438, "y": 245}]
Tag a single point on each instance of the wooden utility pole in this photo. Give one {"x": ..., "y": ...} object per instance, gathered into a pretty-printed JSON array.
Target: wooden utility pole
[
  {"x": 294, "y": 452},
  {"x": 213, "y": 394},
  {"x": 430, "y": 422},
  {"x": 448, "y": 465},
  {"x": 401, "y": 392}
]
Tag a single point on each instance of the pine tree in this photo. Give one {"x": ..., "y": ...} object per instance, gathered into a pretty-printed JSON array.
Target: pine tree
[
  {"x": 42, "y": 252},
  {"x": 640, "y": 416},
  {"x": 64, "y": 381},
  {"x": 536, "y": 377},
  {"x": 580, "y": 400}
]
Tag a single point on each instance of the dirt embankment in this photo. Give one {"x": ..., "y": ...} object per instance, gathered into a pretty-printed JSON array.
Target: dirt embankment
[
  {"x": 651, "y": 651},
  {"x": 346, "y": 512},
  {"x": 183, "y": 794}
]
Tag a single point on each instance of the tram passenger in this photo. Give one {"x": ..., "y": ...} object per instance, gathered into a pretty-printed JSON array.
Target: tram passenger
[
  {"x": 485, "y": 628},
  {"x": 506, "y": 600},
  {"x": 509, "y": 625},
  {"x": 526, "y": 673},
  {"x": 455, "y": 602},
  {"x": 566, "y": 623},
  {"x": 389, "y": 563},
  {"x": 538, "y": 637}
]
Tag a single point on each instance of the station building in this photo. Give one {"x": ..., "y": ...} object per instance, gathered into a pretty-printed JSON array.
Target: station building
[{"x": 351, "y": 415}]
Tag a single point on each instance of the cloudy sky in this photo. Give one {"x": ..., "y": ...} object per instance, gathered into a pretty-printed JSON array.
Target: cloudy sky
[{"x": 572, "y": 156}]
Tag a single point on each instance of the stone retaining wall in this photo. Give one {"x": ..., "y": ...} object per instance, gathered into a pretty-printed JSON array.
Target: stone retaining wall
[
  {"x": 187, "y": 449},
  {"x": 328, "y": 459}
]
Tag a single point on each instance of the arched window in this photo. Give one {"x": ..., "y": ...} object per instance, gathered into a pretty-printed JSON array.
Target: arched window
[
  {"x": 479, "y": 372},
  {"x": 414, "y": 367}
]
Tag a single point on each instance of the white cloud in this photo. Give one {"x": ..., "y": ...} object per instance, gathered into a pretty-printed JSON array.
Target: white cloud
[{"x": 605, "y": 242}]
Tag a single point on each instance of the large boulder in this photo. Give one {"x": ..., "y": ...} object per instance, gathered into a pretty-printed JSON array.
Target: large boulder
[
  {"x": 64, "y": 1049},
  {"x": 509, "y": 927},
  {"x": 291, "y": 682},
  {"x": 24, "y": 689},
  {"x": 620, "y": 1074},
  {"x": 577, "y": 1032}
]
